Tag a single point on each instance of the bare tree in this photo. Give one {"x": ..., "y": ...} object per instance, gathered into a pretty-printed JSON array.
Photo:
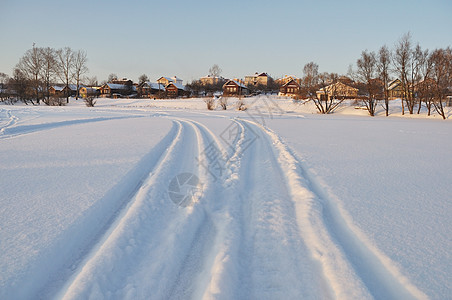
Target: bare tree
[
  {"x": 3, "y": 80},
  {"x": 80, "y": 68},
  {"x": 92, "y": 81},
  {"x": 30, "y": 66},
  {"x": 112, "y": 77},
  {"x": 367, "y": 67},
  {"x": 142, "y": 79},
  {"x": 310, "y": 79},
  {"x": 65, "y": 59},
  {"x": 383, "y": 64},
  {"x": 327, "y": 100},
  {"x": 401, "y": 61},
  {"x": 48, "y": 70},
  {"x": 442, "y": 77},
  {"x": 215, "y": 71}
]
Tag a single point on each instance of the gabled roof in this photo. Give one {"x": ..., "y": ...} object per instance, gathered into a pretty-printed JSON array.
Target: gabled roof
[
  {"x": 57, "y": 88},
  {"x": 393, "y": 84},
  {"x": 154, "y": 85},
  {"x": 291, "y": 81},
  {"x": 178, "y": 85},
  {"x": 116, "y": 86},
  {"x": 236, "y": 83}
]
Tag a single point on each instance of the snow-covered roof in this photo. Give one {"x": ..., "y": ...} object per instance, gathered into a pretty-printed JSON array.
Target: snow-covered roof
[
  {"x": 178, "y": 85},
  {"x": 116, "y": 86},
  {"x": 155, "y": 85},
  {"x": 237, "y": 83},
  {"x": 57, "y": 88}
]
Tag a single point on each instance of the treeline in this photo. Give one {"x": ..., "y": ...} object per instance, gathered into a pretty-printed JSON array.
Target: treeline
[
  {"x": 38, "y": 69},
  {"x": 425, "y": 79}
]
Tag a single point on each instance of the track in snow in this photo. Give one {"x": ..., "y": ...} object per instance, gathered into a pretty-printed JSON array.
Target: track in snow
[{"x": 263, "y": 229}]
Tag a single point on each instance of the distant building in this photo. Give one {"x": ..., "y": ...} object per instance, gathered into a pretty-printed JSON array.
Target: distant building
[
  {"x": 148, "y": 89},
  {"x": 290, "y": 89},
  {"x": 395, "y": 89},
  {"x": 234, "y": 88},
  {"x": 337, "y": 90},
  {"x": 166, "y": 80},
  {"x": 174, "y": 90},
  {"x": 257, "y": 79},
  {"x": 86, "y": 92},
  {"x": 212, "y": 80}
]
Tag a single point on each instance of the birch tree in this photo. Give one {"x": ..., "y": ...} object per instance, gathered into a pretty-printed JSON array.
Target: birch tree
[
  {"x": 65, "y": 58},
  {"x": 80, "y": 68}
]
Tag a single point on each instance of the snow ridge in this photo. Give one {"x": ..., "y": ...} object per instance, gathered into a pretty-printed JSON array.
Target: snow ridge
[{"x": 341, "y": 248}]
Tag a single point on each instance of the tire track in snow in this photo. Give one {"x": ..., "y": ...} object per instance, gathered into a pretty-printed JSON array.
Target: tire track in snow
[
  {"x": 9, "y": 132},
  {"x": 97, "y": 220},
  {"x": 353, "y": 266},
  {"x": 154, "y": 248},
  {"x": 260, "y": 255}
]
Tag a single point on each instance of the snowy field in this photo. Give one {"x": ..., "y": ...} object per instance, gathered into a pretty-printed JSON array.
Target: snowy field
[{"x": 144, "y": 199}]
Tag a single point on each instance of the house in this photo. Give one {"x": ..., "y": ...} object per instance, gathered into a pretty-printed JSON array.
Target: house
[
  {"x": 257, "y": 79},
  {"x": 167, "y": 80},
  {"x": 56, "y": 91},
  {"x": 115, "y": 90},
  {"x": 148, "y": 89},
  {"x": 395, "y": 89},
  {"x": 63, "y": 91},
  {"x": 337, "y": 90},
  {"x": 174, "y": 90},
  {"x": 290, "y": 89},
  {"x": 234, "y": 88},
  {"x": 86, "y": 92}
]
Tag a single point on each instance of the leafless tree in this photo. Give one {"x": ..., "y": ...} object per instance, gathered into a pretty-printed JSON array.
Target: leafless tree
[
  {"x": 80, "y": 68},
  {"x": 66, "y": 58},
  {"x": 383, "y": 65},
  {"x": 327, "y": 100},
  {"x": 3, "y": 80},
  {"x": 401, "y": 59},
  {"x": 48, "y": 70},
  {"x": 112, "y": 77},
  {"x": 442, "y": 77},
  {"x": 30, "y": 66},
  {"x": 215, "y": 71},
  {"x": 91, "y": 81},
  {"x": 367, "y": 71},
  {"x": 142, "y": 79},
  {"x": 310, "y": 81}
]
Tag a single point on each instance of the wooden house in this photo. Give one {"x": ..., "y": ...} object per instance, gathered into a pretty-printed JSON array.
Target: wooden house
[
  {"x": 395, "y": 89},
  {"x": 174, "y": 90},
  {"x": 150, "y": 89},
  {"x": 287, "y": 78},
  {"x": 114, "y": 90},
  {"x": 337, "y": 90},
  {"x": 290, "y": 89},
  {"x": 234, "y": 88},
  {"x": 56, "y": 91},
  {"x": 167, "y": 80}
]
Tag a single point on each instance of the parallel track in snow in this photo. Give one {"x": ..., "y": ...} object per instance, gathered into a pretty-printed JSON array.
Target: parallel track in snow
[{"x": 265, "y": 229}]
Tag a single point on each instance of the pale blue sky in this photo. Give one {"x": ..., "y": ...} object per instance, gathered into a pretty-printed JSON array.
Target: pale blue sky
[{"x": 185, "y": 38}]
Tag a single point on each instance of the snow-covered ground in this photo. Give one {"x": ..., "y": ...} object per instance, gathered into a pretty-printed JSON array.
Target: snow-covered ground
[{"x": 144, "y": 199}]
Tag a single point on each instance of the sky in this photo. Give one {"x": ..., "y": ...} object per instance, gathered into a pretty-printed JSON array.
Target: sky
[{"x": 185, "y": 38}]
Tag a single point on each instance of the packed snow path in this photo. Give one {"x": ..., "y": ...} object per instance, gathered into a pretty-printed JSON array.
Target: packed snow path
[{"x": 223, "y": 214}]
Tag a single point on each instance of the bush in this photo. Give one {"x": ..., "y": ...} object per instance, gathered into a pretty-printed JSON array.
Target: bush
[{"x": 210, "y": 103}]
